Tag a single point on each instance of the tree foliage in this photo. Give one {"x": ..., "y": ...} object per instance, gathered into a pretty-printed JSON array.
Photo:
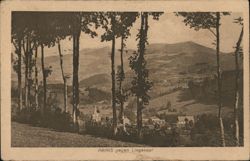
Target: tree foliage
[
  {"x": 200, "y": 20},
  {"x": 141, "y": 83}
]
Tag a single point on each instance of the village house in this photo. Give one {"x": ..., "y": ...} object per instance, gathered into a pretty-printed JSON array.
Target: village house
[
  {"x": 96, "y": 117},
  {"x": 182, "y": 121},
  {"x": 153, "y": 120}
]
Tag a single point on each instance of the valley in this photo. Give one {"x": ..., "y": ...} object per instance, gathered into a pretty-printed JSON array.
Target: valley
[{"x": 171, "y": 68}]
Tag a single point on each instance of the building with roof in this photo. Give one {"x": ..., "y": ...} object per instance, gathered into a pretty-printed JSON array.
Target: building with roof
[
  {"x": 183, "y": 120},
  {"x": 96, "y": 117},
  {"x": 156, "y": 120}
]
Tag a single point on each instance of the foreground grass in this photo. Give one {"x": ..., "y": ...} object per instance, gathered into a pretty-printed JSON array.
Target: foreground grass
[{"x": 23, "y": 135}]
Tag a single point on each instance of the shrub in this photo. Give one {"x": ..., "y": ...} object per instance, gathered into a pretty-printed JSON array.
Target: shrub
[
  {"x": 206, "y": 131},
  {"x": 55, "y": 119},
  {"x": 157, "y": 136},
  {"x": 23, "y": 116},
  {"x": 99, "y": 129}
]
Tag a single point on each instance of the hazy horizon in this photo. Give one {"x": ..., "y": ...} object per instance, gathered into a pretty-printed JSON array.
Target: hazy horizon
[
  {"x": 168, "y": 30},
  {"x": 69, "y": 51}
]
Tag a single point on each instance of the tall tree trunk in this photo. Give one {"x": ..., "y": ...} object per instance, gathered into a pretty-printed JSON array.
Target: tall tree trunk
[
  {"x": 113, "y": 86},
  {"x": 63, "y": 76},
  {"x": 219, "y": 81},
  {"x": 30, "y": 53},
  {"x": 43, "y": 109},
  {"x": 139, "y": 118},
  {"x": 20, "y": 100},
  {"x": 26, "y": 73},
  {"x": 120, "y": 84},
  {"x": 142, "y": 43},
  {"x": 66, "y": 96},
  {"x": 75, "y": 85},
  {"x": 36, "y": 80},
  {"x": 237, "y": 95}
]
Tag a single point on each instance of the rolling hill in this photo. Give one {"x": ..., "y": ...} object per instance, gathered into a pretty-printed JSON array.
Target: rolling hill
[
  {"x": 98, "y": 81},
  {"x": 170, "y": 66},
  {"x": 169, "y": 61}
]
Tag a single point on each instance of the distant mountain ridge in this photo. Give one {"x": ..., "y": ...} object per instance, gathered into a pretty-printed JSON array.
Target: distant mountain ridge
[
  {"x": 166, "y": 60},
  {"x": 170, "y": 66},
  {"x": 187, "y": 46}
]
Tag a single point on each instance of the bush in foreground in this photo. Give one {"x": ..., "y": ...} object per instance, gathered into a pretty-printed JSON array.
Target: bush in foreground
[{"x": 52, "y": 118}]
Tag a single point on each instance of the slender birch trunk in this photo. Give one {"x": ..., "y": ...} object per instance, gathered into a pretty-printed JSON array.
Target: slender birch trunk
[
  {"x": 219, "y": 81},
  {"x": 142, "y": 43},
  {"x": 63, "y": 76},
  {"x": 139, "y": 118},
  {"x": 19, "y": 74},
  {"x": 26, "y": 72},
  {"x": 43, "y": 108},
  {"x": 75, "y": 85},
  {"x": 237, "y": 95},
  {"x": 66, "y": 96},
  {"x": 30, "y": 53},
  {"x": 113, "y": 86},
  {"x": 120, "y": 83},
  {"x": 36, "y": 80}
]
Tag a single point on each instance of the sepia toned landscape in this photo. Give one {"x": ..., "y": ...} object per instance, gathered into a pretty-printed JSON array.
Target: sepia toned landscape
[{"x": 126, "y": 79}]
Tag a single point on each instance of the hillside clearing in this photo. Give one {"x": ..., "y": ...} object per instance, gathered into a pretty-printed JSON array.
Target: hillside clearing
[
  {"x": 23, "y": 135},
  {"x": 188, "y": 106}
]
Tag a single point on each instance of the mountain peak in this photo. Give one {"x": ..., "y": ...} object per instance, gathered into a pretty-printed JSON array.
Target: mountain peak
[
  {"x": 184, "y": 47},
  {"x": 177, "y": 43},
  {"x": 188, "y": 42}
]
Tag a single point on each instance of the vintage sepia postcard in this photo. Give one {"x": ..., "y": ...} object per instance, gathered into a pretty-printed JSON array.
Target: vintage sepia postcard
[{"x": 125, "y": 80}]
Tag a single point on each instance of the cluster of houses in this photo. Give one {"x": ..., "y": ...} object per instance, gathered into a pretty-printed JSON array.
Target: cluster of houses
[
  {"x": 97, "y": 117},
  {"x": 181, "y": 121}
]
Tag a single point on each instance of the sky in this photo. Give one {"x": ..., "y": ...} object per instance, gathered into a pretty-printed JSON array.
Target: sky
[{"x": 169, "y": 29}]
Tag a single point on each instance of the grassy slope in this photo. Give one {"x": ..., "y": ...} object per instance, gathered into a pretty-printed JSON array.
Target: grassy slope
[
  {"x": 26, "y": 136},
  {"x": 189, "y": 106}
]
